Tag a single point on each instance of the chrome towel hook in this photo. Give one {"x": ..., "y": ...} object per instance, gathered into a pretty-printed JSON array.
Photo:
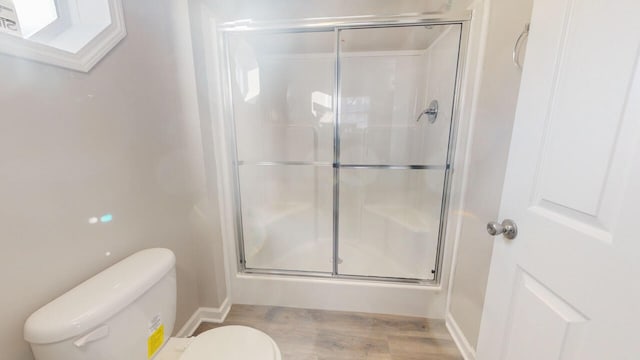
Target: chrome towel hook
[
  {"x": 431, "y": 112},
  {"x": 518, "y": 45}
]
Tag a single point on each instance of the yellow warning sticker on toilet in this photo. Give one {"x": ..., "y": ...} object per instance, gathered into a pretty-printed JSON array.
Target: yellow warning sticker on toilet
[{"x": 155, "y": 340}]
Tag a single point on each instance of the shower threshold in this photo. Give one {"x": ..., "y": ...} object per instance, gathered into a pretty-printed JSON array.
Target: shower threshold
[{"x": 358, "y": 261}]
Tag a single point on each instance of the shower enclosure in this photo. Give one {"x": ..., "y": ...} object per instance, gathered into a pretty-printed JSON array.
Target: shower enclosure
[{"x": 342, "y": 134}]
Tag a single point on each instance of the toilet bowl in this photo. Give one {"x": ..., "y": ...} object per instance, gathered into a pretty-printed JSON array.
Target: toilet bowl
[
  {"x": 127, "y": 312},
  {"x": 227, "y": 342}
]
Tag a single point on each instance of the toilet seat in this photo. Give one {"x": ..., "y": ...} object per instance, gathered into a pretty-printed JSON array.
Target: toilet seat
[{"x": 232, "y": 342}]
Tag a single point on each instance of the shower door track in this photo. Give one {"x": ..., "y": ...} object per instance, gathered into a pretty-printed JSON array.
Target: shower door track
[
  {"x": 336, "y": 25},
  {"x": 347, "y": 22}
]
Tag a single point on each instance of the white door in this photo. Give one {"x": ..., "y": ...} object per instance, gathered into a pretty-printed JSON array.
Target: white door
[{"x": 568, "y": 286}]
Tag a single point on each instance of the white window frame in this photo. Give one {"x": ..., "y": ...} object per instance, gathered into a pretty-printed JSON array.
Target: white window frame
[{"x": 81, "y": 36}]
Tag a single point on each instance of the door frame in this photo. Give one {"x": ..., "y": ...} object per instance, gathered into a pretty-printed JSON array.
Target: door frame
[
  {"x": 336, "y": 26},
  {"x": 307, "y": 292}
]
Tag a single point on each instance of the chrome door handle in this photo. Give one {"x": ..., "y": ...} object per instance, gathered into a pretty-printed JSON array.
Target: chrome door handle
[{"x": 508, "y": 228}]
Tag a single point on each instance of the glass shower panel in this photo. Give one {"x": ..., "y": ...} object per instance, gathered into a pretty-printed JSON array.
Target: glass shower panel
[
  {"x": 287, "y": 217},
  {"x": 389, "y": 222},
  {"x": 393, "y": 162},
  {"x": 282, "y": 87},
  {"x": 388, "y": 77}
]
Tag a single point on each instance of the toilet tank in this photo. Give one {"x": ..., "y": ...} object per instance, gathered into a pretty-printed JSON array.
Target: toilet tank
[{"x": 126, "y": 312}]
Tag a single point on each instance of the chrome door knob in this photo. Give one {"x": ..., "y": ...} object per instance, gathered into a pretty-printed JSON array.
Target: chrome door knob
[{"x": 508, "y": 229}]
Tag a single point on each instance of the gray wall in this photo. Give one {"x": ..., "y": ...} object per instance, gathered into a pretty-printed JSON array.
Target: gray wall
[
  {"x": 123, "y": 139},
  {"x": 489, "y": 149}
]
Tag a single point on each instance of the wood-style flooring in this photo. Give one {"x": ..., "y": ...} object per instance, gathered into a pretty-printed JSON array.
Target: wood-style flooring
[{"x": 305, "y": 334}]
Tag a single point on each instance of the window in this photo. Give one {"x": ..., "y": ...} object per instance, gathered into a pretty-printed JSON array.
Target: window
[
  {"x": 74, "y": 34},
  {"x": 34, "y": 15}
]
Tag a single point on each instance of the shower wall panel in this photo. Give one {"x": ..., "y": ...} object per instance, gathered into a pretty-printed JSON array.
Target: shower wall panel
[{"x": 440, "y": 83}]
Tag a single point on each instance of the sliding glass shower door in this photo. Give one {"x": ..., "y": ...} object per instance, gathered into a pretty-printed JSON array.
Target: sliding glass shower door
[
  {"x": 393, "y": 161},
  {"x": 361, "y": 194},
  {"x": 282, "y": 89}
]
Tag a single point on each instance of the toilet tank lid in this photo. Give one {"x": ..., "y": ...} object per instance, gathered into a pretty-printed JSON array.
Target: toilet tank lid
[{"x": 96, "y": 300}]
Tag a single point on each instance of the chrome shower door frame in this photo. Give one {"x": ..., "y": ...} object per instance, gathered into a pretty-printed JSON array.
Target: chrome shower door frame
[{"x": 336, "y": 25}]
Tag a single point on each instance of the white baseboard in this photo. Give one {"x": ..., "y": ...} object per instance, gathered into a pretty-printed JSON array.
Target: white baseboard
[
  {"x": 205, "y": 314},
  {"x": 467, "y": 351}
]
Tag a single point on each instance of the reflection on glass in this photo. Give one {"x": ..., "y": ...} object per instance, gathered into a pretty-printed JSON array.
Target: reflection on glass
[
  {"x": 106, "y": 218},
  {"x": 389, "y": 222},
  {"x": 282, "y": 86},
  {"x": 247, "y": 74},
  {"x": 322, "y": 107}
]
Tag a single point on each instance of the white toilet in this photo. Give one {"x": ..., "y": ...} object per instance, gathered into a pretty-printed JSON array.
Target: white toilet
[{"x": 127, "y": 312}]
